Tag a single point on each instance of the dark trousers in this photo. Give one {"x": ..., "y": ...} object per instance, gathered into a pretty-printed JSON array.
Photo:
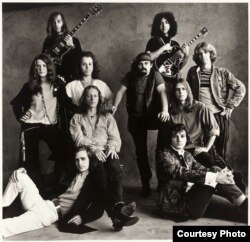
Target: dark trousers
[
  {"x": 199, "y": 197},
  {"x": 222, "y": 140},
  {"x": 137, "y": 127},
  {"x": 59, "y": 142},
  {"x": 109, "y": 177}
]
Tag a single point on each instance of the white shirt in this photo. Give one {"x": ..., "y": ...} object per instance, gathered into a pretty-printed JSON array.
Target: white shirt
[{"x": 75, "y": 89}]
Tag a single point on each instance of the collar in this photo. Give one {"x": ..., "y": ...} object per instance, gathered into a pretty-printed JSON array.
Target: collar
[{"x": 179, "y": 152}]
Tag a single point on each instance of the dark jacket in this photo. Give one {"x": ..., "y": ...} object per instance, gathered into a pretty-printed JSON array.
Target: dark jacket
[
  {"x": 70, "y": 61},
  {"x": 22, "y": 102},
  {"x": 175, "y": 172}
]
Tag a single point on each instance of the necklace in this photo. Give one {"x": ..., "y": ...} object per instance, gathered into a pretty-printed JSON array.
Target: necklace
[{"x": 45, "y": 109}]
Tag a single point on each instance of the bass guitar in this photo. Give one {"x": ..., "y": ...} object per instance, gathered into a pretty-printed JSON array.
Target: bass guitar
[
  {"x": 168, "y": 63},
  {"x": 59, "y": 49}
]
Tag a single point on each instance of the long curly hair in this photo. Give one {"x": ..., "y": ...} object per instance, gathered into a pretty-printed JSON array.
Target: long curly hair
[
  {"x": 176, "y": 105},
  {"x": 208, "y": 47},
  {"x": 96, "y": 68},
  {"x": 50, "y": 29},
  {"x": 156, "y": 32},
  {"x": 34, "y": 81},
  {"x": 83, "y": 100}
]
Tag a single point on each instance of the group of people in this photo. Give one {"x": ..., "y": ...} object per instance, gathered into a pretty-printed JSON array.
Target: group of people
[{"x": 72, "y": 110}]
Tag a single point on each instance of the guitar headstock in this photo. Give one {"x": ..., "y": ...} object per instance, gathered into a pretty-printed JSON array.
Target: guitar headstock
[
  {"x": 95, "y": 9},
  {"x": 204, "y": 31}
]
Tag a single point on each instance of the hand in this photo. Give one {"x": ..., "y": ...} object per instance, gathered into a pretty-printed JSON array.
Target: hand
[
  {"x": 185, "y": 48},
  {"x": 199, "y": 150},
  {"x": 77, "y": 220},
  {"x": 227, "y": 112},
  {"x": 26, "y": 116},
  {"x": 164, "y": 116},
  {"x": 68, "y": 40},
  {"x": 113, "y": 109},
  {"x": 100, "y": 155},
  {"x": 112, "y": 152},
  {"x": 14, "y": 175},
  {"x": 167, "y": 47},
  {"x": 225, "y": 177}
]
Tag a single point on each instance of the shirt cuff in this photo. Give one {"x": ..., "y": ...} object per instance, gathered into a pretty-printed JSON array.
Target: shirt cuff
[{"x": 210, "y": 179}]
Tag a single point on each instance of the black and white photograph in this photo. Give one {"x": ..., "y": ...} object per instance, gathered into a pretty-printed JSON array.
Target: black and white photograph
[{"x": 123, "y": 119}]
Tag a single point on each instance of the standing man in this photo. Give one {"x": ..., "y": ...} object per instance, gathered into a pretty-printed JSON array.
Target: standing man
[
  {"x": 211, "y": 85},
  {"x": 56, "y": 30},
  {"x": 84, "y": 201},
  {"x": 146, "y": 104}
]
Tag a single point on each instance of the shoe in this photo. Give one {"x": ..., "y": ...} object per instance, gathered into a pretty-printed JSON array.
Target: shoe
[
  {"x": 244, "y": 210},
  {"x": 128, "y": 209},
  {"x": 125, "y": 221}
]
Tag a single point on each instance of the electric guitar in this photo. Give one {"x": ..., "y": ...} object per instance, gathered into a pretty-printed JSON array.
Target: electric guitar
[
  {"x": 58, "y": 50},
  {"x": 168, "y": 63}
]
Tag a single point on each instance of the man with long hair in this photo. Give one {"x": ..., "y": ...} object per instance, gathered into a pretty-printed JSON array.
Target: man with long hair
[
  {"x": 57, "y": 29},
  {"x": 213, "y": 86},
  {"x": 164, "y": 28},
  {"x": 201, "y": 125},
  {"x": 97, "y": 131},
  {"x": 83, "y": 201}
]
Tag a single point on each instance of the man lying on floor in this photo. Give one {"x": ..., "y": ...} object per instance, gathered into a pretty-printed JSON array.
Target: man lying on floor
[{"x": 84, "y": 201}]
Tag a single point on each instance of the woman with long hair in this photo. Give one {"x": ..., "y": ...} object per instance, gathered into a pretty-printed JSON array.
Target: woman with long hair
[
  {"x": 40, "y": 108},
  {"x": 87, "y": 74}
]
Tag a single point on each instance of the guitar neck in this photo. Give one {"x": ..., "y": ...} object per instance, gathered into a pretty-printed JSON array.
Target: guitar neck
[
  {"x": 80, "y": 24},
  {"x": 194, "y": 39}
]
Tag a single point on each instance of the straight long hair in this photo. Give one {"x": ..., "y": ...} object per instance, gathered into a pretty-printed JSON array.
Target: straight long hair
[
  {"x": 50, "y": 29},
  {"x": 176, "y": 105},
  {"x": 83, "y": 100}
]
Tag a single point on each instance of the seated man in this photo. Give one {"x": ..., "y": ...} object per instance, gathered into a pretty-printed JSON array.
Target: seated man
[
  {"x": 97, "y": 131},
  {"x": 83, "y": 201},
  {"x": 187, "y": 186}
]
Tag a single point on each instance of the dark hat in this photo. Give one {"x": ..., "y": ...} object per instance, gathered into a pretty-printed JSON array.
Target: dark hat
[{"x": 143, "y": 57}]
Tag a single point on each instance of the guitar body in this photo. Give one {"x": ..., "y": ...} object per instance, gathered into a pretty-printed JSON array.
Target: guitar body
[
  {"x": 58, "y": 51},
  {"x": 169, "y": 62},
  {"x": 165, "y": 64}
]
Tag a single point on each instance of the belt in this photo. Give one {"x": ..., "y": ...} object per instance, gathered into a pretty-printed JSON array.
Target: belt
[{"x": 58, "y": 207}]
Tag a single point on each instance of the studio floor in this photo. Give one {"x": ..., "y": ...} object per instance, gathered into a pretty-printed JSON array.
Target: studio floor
[{"x": 149, "y": 227}]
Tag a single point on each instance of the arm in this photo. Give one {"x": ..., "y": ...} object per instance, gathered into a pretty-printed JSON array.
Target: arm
[
  {"x": 114, "y": 140},
  {"x": 238, "y": 88},
  {"x": 22, "y": 99},
  {"x": 118, "y": 97},
  {"x": 173, "y": 170},
  {"x": 164, "y": 115}
]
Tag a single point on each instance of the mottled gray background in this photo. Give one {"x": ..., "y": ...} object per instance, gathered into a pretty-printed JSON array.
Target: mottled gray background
[{"x": 116, "y": 36}]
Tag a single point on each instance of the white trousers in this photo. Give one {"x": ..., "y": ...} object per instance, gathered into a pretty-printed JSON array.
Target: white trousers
[{"x": 39, "y": 213}]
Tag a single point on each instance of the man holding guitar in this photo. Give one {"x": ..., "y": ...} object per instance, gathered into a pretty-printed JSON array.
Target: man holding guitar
[
  {"x": 164, "y": 28},
  {"x": 56, "y": 29}
]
